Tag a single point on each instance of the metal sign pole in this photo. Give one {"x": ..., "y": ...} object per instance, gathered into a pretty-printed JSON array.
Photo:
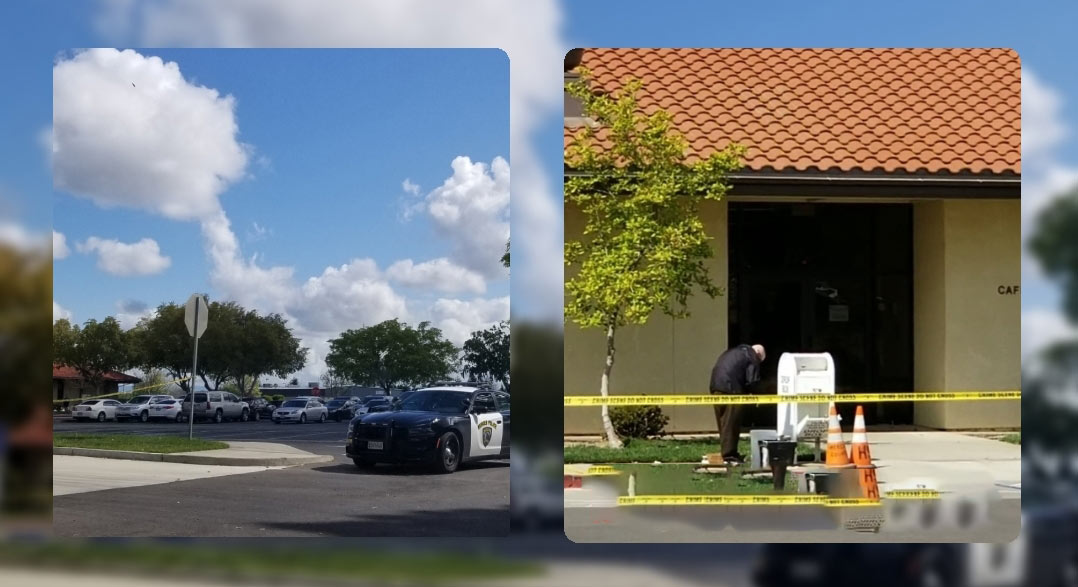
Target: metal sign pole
[{"x": 194, "y": 371}]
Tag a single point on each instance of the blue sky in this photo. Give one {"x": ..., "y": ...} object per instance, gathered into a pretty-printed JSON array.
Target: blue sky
[
  {"x": 319, "y": 212},
  {"x": 535, "y": 35},
  {"x": 334, "y": 134}
]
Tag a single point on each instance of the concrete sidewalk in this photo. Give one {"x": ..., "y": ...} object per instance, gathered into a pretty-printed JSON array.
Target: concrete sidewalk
[
  {"x": 954, "y": 461},
  {"x": 947, "y": 461},
  {"x": 238, "y": 454},
  {"x": 72, "y": 474}
]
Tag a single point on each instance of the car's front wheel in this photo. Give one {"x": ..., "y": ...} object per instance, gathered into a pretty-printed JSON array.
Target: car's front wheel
[
  {"x": 449, "y": 453},
  {"x": 144, "y": 416},
  {"x": 303, "y": 418},
  {"x": 101, "y": 416},
  {"x": 322, "y": 418},
  {"x": 256, "y": 416}
]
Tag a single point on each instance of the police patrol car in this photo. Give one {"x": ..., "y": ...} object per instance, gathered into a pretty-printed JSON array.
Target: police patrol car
[{"x": 443, "y": 425}]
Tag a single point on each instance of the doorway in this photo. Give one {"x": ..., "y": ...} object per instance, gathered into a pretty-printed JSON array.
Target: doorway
[{"x": 834, "y": 278}]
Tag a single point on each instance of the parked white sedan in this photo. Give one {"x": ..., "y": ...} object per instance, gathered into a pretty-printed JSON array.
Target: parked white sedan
[
  {"x": 301, "y": 410},
  {"x": 96, "y": 409},
  {"x": 169, "y": 409}
]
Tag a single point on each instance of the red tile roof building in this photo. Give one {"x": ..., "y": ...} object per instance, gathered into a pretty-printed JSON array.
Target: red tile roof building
[{"x": 909, "y": 111}]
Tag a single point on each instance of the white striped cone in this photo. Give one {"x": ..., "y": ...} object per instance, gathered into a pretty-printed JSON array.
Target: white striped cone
[{"x": 836, "y": 447}]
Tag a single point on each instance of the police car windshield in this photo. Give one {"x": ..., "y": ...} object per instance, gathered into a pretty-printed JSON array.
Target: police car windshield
[{"x": 446, "y": 402}]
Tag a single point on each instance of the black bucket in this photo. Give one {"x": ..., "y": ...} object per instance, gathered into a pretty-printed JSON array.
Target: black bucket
[{"x": 780, "y": 454}]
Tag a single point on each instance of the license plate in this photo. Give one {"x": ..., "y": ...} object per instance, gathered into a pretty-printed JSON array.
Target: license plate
[{"x": 374, "y": 445}]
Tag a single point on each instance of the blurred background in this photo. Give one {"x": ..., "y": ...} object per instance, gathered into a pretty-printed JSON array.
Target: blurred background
[{"x": 536, "y": 35}]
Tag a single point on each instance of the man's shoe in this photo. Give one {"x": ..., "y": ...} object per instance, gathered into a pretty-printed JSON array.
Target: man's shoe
[{"x": 734, "y": 460}]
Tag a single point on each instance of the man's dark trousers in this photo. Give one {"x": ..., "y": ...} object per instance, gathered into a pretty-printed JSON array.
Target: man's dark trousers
[{"x": 728, "y": 417}]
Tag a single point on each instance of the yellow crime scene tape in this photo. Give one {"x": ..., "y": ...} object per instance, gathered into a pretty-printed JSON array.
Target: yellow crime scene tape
[
  {"x": 593, "y": 470},
  {"x": 816, "y": 398},
  {"x": 771, "y": 500},
  {"x": 139, "y": 390}
]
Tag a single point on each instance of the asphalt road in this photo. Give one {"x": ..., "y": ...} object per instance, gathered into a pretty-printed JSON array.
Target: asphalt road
[{"x": 327, "y": 499}]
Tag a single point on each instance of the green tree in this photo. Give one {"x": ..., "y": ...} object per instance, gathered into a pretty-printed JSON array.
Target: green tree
[
  {"x": 26, "y": 293},
  {"x": 246, "y": 386},
  {"x": 220, "y": 348},
  {"x": 161, "y": 341},
  {"x": 486, "y": 355},
  {"x": 332, "y": 381},
  {"x": 643, "y": 246},
  {"x": 93, "y": 350},
  {"x": 391, "y": 354},
  {"x": 1055, "y": 246},
  {"x": 267, "y": 347},
  {"x": 239, "y": 346},
  {"x": 153, "y": 381}
]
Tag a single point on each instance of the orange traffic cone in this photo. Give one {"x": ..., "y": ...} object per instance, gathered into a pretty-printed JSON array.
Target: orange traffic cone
[
  {"x": 836, "y": 448},
  {"x": 862, "y": 459},
  {"x": 859, "y": 444}
]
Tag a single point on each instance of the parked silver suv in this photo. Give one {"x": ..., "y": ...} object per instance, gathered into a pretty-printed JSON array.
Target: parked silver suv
[
  {"x": 139, "y": 407},
  {"x": 217, "y": 406}
]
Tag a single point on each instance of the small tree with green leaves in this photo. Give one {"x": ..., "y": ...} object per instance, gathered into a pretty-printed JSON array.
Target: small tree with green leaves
[{"x": 643, "y": 245}]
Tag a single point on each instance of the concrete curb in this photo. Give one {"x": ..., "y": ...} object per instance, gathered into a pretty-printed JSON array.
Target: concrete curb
[{"x": 192, "y": 459}]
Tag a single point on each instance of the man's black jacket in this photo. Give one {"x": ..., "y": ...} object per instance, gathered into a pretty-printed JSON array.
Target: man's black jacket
[{"x": 735, "y": 370}]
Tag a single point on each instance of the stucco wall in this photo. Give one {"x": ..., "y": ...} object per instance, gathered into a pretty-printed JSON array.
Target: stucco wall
[
  {"x": 967, "y": 333},
  {"x": 663, "y": 356}
]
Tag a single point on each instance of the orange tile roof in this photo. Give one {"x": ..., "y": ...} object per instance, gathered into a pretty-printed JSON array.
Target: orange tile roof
[
  {"x": 892, "y": 110},
  {"x": 66, "y": 372}
]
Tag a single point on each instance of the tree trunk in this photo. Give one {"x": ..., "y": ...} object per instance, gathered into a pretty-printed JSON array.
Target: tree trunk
[{"x": 604, "y": 389}]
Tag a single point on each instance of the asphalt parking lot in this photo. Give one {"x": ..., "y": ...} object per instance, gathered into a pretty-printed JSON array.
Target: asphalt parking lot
[{"x": 333, "y": 499}]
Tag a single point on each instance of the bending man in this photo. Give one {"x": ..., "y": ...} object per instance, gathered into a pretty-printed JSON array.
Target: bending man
[{"x": 736, "y": 370}]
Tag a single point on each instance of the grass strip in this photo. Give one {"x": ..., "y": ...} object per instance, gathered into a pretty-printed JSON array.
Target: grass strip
[
  {"x": 681, "y": 480},
  {"x": 136, "y": 442},
  {"x": 662, "y": 450},
  {"x": 293, "y": 562},
  {"x": 1013, "y": 439}
]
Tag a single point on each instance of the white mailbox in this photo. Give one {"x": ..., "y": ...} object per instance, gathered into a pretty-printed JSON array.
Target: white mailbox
[{"x": 801, "y": 374}]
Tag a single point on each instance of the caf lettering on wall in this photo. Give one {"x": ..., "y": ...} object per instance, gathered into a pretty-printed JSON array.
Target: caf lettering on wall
[{"x": 1009, "y": 290}]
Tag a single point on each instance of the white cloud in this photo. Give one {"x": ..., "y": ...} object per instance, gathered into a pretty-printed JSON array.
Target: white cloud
[
  {"x": 1044, "y": 176},
  {"x": 409, "y": 187},
  {"x": 139, "y": 258},
  {"x": 17, "y": 236},
  {"x": 529, "y": 32},
  {"x": 439, "y": 275},
  {"x": 471, "y": 210},
  {"x": 129, "y": 312},
  {"x": 458, "y": 319},
  {"x": 1042, "y": 120},
  {"x": 129, "y": 130},
  {"x": 258, "y": 233},
  {"x": 60, "y": 313},
  {"x": 59, "y": 245},
  {"x": 349, "y": 296},
  {"x": 1041, "y": 327}
]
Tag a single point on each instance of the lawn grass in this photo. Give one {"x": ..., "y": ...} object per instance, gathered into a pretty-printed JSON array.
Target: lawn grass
[
  {"x": 267, "y": 563},
  {"x": 135, "y": 442},
  {"x": 1013, "y": 438},
  {"x": 681, "y": 480},
  {"x": 662, "y": 450}
]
